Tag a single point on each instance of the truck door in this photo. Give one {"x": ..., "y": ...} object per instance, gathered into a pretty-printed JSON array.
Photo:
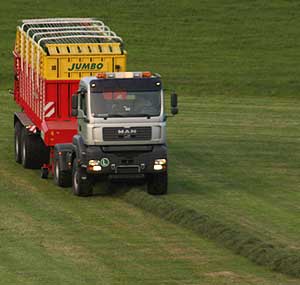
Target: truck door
[{"x": 82, "y": 114}]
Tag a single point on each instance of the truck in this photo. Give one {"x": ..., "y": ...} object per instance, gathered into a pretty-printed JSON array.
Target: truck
[{"x": 83, "y": 117}]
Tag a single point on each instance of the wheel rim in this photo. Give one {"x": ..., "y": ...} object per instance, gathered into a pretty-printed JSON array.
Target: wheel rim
[
  {"x": 17, "y": 150},
  {"x": 23, "y": 153},
  {"x": 75, "y": 180},
  {"x": 56, "y": 171}
]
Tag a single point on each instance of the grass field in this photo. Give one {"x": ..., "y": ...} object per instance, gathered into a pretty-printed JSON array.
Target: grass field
[
  {"x": 48, "y": 236},
  {"x": 233, "y": 149},
  {"x": 241, "y": 163}
]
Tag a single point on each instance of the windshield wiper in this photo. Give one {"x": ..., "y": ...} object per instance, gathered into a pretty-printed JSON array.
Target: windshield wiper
[
  {"x": 115, "y": 115},
  {"x": 108, "y": 115},
  {"x": 140, "y": 115},
  {"x": 105, "y": 116}
]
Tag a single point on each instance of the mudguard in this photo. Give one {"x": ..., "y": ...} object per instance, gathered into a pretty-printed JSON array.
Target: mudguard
[
  {"x": 22, "y": 118},
  {"x": 63, "y": 152},
  {"x": 80, "y": 149}
]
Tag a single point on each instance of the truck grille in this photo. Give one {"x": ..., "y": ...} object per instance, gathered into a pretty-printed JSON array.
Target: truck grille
[
  {"x": 128, "y": 169},
  {"x": 127, "y": 134}
]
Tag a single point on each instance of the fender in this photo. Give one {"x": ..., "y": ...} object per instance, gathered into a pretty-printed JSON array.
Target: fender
[
  {"x": 63, "y": 152},
  {"x": 80, "y": 149},
  {"x": 22, "y": 118}
]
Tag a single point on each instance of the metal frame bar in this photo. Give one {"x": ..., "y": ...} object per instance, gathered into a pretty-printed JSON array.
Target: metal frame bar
[
  {"x": 60, "y": 28},
  {"x": 71, "y": 36},
  {"x": 56, "y": 20},
  {"x": 80, "y": 36},
  {"x": 99, "y": 28},
  {"x": 21, "y": 49},
  {"x": 80, "y": 32},
  {"x": 61, "y": 21}
]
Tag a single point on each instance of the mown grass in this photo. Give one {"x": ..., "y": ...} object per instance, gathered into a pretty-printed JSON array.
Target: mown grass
[
  {"x": 238, "y": 239},
  {"x": 241, "y": 163},
  {"x": 234, "y": 146},
  {"x": 49, "y": 236}
]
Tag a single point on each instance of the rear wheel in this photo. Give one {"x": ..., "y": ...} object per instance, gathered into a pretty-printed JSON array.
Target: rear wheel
[
  {"x": 18, "y": 132},
  {"x": 81, "y": 185},
  {"x": 34, "y": 153},
  {"x": 61, "y": 178},
  {"x": 157, "y": 184},
  {"x": 27, "y": 151}
]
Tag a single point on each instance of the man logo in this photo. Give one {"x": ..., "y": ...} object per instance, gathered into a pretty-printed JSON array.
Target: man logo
[{"x": 127, "y": 133}]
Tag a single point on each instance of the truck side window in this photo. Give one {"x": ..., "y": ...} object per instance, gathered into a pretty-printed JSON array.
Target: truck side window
[{"x": 82, "y": 102}]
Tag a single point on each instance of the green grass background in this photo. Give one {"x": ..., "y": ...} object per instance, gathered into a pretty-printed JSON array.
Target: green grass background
[{"x": 234, "y": 147}]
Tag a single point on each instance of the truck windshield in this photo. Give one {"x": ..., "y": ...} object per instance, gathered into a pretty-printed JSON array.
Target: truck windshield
[{"x": 126, "y": 104}]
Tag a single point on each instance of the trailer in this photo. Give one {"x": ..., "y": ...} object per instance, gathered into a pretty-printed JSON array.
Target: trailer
[{"x": 79, "y": 119}]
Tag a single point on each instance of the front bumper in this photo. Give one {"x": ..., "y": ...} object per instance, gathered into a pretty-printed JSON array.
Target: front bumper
[{"x": 126, "y": 162}]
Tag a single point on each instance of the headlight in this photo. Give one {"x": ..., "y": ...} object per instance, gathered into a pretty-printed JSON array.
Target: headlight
[
  {"x": 94, "y": 165},
  {"x": 161, "y": 161},
  {"x": 94, "y": 162},
  {"x": 160, "y": 164},
  {"x": 158, "y": 167},
  {"x": 97, "y": 168}
]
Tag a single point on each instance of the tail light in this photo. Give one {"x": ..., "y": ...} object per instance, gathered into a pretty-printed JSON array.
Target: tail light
[
  {"x": 147, "y": 74},
  {"x": 101, "y": 75}
]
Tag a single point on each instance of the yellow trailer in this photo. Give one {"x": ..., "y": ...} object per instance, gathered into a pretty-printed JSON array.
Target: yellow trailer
[
  {"x": 51, "y": 56},
  {"x": 64, "y": 49}
]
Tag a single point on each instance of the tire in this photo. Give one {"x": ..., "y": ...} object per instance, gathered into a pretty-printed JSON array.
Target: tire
[
  {"x": 17, "y": 141},
  {"x": 61, "y": 178},
  {"x": 157, "y": 184},
  {"x": 34, "y": 153},
  {"x": 81, "y": 185}
]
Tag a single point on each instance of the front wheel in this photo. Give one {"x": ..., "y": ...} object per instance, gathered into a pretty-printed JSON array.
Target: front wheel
[
  {"x": 81, "y": 185},
  {"x": 61, "y": 178},
  {"x": 157, "y": 183}
]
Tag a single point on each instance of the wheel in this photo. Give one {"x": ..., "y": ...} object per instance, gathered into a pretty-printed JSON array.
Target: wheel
[
  {"x": 18, "y": 132},
  {"x": 28, "y": 157},
  {"x": 157, "y": 184},
  {"x": 61, "y": 178},
  {"x": 81, "y": 185},
  {"x": 34, "y": 153}
]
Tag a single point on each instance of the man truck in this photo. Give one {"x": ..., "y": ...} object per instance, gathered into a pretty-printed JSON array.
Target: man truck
[{"x": 83, "y": 117}]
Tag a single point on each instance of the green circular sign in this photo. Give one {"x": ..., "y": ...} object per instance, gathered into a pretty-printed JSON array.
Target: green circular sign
[{"x": 104, "y": 162}]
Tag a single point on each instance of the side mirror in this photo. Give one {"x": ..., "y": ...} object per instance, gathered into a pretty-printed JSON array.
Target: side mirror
[
  {"x": 74, "y": 105},
  {"x": 174, "y": 108}
]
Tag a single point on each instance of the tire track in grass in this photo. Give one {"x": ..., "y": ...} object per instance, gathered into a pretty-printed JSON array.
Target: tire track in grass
[
  {"x": 239, "y": 240},
  {"x": 103, "y": 240}
]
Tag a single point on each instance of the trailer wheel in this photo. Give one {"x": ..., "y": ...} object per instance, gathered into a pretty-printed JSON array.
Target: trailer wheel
[
  {"x": 28, "y": 158},
  {"x": 33, "y": 151},
  {"x": 81, "y": 185},
  {"x": 61, "y": 178},
  {"x": 157, "y": 184},
  {"x": 18, "y": 132}
]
